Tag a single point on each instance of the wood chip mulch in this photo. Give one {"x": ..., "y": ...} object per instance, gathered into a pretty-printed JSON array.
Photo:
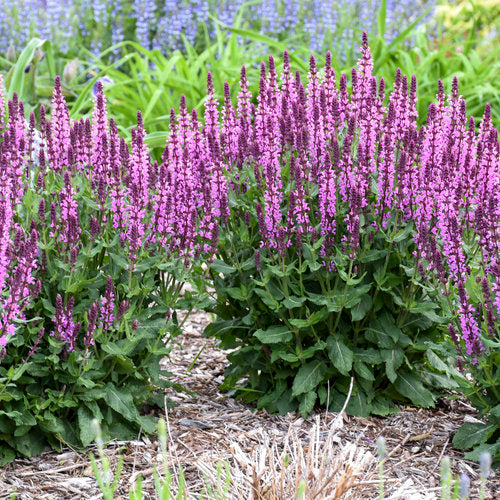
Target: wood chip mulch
[{"x": 211, "y": 427}]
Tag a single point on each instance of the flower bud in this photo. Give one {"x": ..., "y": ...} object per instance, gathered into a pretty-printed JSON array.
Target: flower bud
[
  {"x": 11, "y": 55},
  {"x": 258, "y": 264},
  {"x": 70, "y": 71},
  {"x": 37, "y": 55}
]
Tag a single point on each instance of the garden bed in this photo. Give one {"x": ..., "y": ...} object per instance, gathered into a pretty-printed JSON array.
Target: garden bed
[{"x": 210, "y": 427}]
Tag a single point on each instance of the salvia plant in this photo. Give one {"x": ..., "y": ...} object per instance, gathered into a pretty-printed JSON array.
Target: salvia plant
[
  {"x": 161, "y": 25},
  {"x": 354, "y": 243},
  {"x": 97, "y": 241}
]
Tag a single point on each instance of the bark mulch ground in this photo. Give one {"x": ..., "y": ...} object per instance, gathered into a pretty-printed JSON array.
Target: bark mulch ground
[{"x": 212, "y": 427}]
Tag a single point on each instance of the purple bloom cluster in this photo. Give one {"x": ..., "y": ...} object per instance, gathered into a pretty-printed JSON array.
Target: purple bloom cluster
[
  {"x": 172, "y": 208},
  {"x": 334, "y": 162},
  {"x": 328, "y": 163}
]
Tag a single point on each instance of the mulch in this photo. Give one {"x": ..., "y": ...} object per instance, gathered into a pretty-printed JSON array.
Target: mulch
[{"x": 211, "y": 427}]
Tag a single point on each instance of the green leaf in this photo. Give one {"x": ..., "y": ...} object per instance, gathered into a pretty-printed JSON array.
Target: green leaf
[
  {"x": 121, "y": 401},
  {"x": 358, "y": 312},
  {"x": 311, "y": 350},
  {"x": 363, "y": 371},
  {"x": 393, "y": 359},
  {"x": 274, "y": 335},
  {"x": 471, "y": 434},
  {"x": 286, "y": 356},
  {"x": 308, "y": 377},
  {"x": 475, "y": 455},
  {"x": 371, "y": 356},
  {"x": 410, "y": 386},
  {"x": 48, "y": 306},
  {"x": 384, "y": 332},
  {"x": 381, "y": 19},
  {"x": 85, "y": 428},
  {"x": 235, "y": 293},
  {"x": 358, "y": 405},
  {"x": 268, "y": 300},
  {"x": 30, "y": 444},
  {"x": 372, "y": 255},
  {"x": 427, "y": 309},
  {"x": 404, "y": 233},
  {"x": 355, "y": 295},
  {"x": 435, "y": 361},
  {"x": 219, "y": 266},
  {"x": 383, "y": 406},
  {"x": 293, "y": 302},
  {"x": 7, "y": 454},
  {"x": 16, "y": 78},
  {"x": 439, "y": 380},
  {"x": 307, "y": 403},
  {"x": 340, "y": 355},
  {"x": 314, "y": 318},
  {"x": 119, "y": 260}
]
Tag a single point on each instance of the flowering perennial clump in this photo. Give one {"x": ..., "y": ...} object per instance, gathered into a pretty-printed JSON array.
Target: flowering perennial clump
[
  {"x": 158, "y": 208},
  {"x": 354, "y": 229},
  {"x": 96, "y": 242}
]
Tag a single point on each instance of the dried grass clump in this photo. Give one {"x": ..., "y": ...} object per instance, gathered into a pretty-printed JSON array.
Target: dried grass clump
[{"x": 322, "y": 469}]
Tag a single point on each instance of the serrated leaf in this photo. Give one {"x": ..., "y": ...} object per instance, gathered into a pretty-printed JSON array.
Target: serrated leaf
[
  {"x": 340, "y": 355},
  {"x": 121, "y": 401},
  {"x": 358, "y": 312},
  {"x": 383, "y": 406},
  {"x": 85, "y": 429},
  {"x": 219, "y": 266},
  {"x": 393, "y": 359},
  {"x": 371, "y": 356},
  {"x": 307, "y": 404},
  {"x": 289, "y": 357},
  {"x": 308, "y": 377},
  {"x": 363, "y": 371},
  {"x": 355, "y": 295},
  {"x": 30, "y": 444},
  {"x": 293, "y": 302},
  {"x": 119, "y": 260},
  {"x": 383, "y": 332},
  {"x": 410, "y": 386},
  {"x": 435, "y": 361},
  {"x": 274, "y": 335},
  {"x": 470, "y": 435},
  {"x": 439, "y": 380},
  {"x": 475, "y": 455},
  {"x": 358, "y": 405}
]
